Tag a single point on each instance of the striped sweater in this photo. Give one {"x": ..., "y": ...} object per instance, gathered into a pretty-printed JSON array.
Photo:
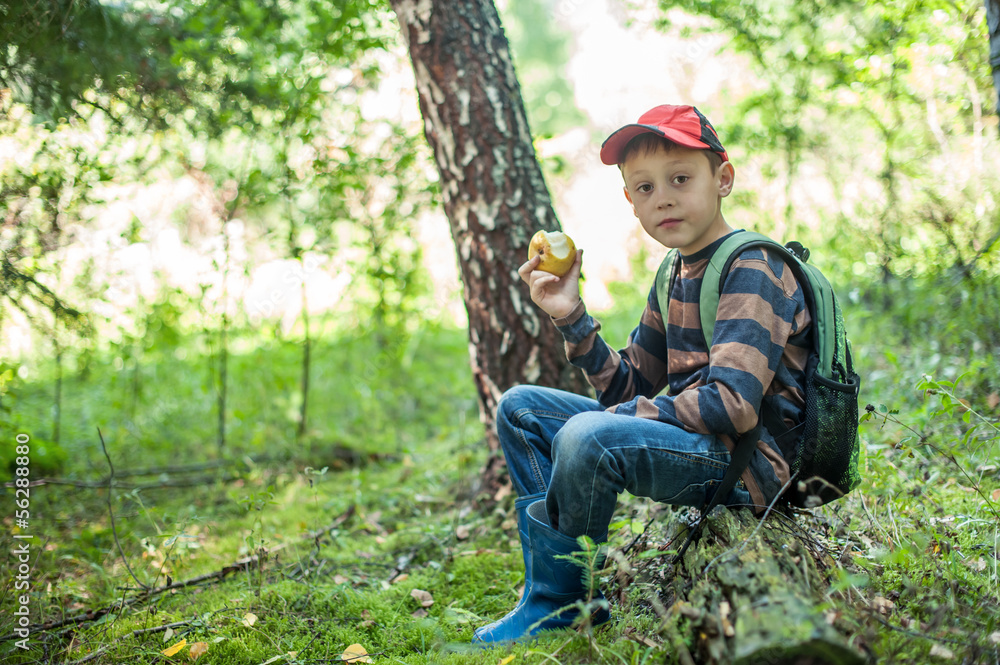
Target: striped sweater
[{"x": 759, "y": 350}]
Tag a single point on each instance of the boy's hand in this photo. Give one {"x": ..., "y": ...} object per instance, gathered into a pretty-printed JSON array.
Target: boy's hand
[{"x": 557, "y": 296}]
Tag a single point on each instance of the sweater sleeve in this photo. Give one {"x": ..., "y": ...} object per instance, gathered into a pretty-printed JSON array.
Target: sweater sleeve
[
  {"x": 639, "y": 369},
  {"x": 759, "y": 309}
]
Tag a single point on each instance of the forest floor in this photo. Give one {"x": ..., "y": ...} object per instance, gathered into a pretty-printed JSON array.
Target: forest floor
[{"x": 370, "y": 534}]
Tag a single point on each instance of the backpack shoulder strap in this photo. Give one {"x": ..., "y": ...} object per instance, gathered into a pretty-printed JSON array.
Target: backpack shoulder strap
[
  {"x": 666, "y": 275},
  {"x": 715, "y": 275}
]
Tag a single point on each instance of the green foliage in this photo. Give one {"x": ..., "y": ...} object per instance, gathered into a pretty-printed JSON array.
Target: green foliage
[
  {"x": 541, "y": 52},
  {"x": 880, "y": 106}
]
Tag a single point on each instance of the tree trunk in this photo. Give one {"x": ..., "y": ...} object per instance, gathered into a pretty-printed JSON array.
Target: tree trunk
[
  {"x": 993, "y": 24},
  {"x": 494, "y": 193}
]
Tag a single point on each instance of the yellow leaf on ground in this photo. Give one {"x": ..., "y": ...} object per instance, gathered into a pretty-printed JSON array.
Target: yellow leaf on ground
[
  {"x": 249, "y": 619},
  {"x": 355, "y": 654},
  {"x": 171, "y": 650},
  {"x": 198, "y": 649},
  {"x": 508, "y": 659}
]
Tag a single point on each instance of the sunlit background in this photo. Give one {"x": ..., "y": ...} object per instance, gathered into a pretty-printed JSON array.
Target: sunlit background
[{"x": 847, "y": 163}]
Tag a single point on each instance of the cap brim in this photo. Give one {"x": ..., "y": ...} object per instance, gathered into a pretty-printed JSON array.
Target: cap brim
[{"x": 613, "y": 146}]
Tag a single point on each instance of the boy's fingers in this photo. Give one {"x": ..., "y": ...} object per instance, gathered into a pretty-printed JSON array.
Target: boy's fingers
[
  {"x": 577, "y": 266},
  {"x": 528, "y": 266}
]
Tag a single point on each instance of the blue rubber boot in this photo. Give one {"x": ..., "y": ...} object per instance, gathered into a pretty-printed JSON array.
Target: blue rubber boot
[
  {"x": 554, "y": 583},
  {"x": 521, "y": 509}
]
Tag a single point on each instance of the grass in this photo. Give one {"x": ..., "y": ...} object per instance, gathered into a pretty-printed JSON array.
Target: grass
[{"x": 386, "y": 478}]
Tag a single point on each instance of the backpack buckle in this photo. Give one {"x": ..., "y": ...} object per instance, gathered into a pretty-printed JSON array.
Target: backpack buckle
[{"x": 800, "y": 252}]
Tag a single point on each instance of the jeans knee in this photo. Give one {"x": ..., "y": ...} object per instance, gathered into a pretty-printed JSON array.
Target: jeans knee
[
  {"x": 512, "y": 400},
  {"x": 577, "y": 446}
]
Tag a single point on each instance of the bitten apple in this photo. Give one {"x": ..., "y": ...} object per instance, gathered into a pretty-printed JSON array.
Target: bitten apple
[{"x": 558, "y": 251}]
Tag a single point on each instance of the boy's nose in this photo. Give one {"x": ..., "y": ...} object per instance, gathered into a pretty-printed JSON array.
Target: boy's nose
[{"x": 664, "y": 201}]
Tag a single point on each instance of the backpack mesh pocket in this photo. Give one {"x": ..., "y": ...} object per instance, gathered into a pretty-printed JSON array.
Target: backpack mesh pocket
[{"x": 828, "y": 456}]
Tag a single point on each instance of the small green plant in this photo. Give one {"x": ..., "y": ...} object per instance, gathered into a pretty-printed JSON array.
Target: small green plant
[{"x": 256, "y": 543}]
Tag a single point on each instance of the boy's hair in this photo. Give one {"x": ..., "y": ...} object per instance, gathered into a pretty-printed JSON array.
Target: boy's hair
[{"x": 648, "y": 143}]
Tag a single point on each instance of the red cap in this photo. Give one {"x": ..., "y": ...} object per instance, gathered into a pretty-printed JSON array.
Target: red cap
[{"x": 684, "y": 125}]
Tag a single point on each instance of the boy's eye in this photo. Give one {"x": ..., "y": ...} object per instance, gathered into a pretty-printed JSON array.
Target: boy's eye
[
  {"x": 681, "y": 179},
  {"x": 645, "y": 188}
]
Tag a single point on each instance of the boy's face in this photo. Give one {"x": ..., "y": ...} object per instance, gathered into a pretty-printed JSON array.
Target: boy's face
[{"x": 677, "y": 198}]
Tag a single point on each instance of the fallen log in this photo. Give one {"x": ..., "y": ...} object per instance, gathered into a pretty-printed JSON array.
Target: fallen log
[{"x": 748, "y": 593}]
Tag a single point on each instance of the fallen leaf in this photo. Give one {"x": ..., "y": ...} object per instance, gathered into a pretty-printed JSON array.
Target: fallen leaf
[
  {"x": 882, "y": 605},
  {"x": 993, "y": 400},
  {"x": 419, "y": 614},
  {"x": 400, "y": 578},
  {"x": 462, "y": 532},
  {"x": 198, "y": 649},
  {"x": 995, "y": 637},
  {"x": 942, "y": 652},
  {"x": 502, "y": 492},
  {"x": 171, "y": 650},
  {"x": 508, "y": 659},
  {"x": 978, "y": 565},
  {"x": 340, "y": 579},
  {"x": 425, "y": 599},
  {"x": 249, "y": 619},
  {"x": 995, "y": 495},
  {"x": 167, "y": 634},
  {"x": 355, "y": 654}
]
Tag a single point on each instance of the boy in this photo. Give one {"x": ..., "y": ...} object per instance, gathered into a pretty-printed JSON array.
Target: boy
[{"x": 570, "y": 456}]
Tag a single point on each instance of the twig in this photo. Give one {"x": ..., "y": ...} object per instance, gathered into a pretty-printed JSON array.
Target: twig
[
  {"x": 913, "y": 633},
  {"x": 111, "y": 513},
  {"x": 135, "y": 633},
  {"x": 239, "y": 566},
  {"x": 101, "y": 484},
  {"x": 639, "y": 535}
]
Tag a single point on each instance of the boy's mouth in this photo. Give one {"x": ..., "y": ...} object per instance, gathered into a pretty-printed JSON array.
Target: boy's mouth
[{"x": 670, "y": 221}]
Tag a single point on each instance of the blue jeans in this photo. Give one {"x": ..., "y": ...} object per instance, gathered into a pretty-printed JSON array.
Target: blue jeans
[{"x": 583, "y": 457}]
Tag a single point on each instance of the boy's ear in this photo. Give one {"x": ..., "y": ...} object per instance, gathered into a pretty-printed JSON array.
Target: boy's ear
[
  {"x": 726, "y": 176},
  {"x": 628, "y": 197}
]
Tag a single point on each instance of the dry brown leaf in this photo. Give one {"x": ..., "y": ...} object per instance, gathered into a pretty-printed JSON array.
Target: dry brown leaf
[
  {"x": 400, "y": 578},
  {"x": 355, "y": 654},
  {"x": 995, "y": 495},
  {"x": 419, "y": 614},
  {"x": 171, "y": 650},
  {"x": 198, "y": 650},
  {"x": 462, "y": 532},
  {"x": 249, "y": 619},
  {"x": 425, "y": 599},
  {"x": 727, "y": 626},
  {"x": 993, "y": 400},
  {"x": 882, "y": 605}
]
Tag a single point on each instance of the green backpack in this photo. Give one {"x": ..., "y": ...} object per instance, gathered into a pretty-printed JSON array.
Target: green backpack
[{"x": 823, "y": 451}]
